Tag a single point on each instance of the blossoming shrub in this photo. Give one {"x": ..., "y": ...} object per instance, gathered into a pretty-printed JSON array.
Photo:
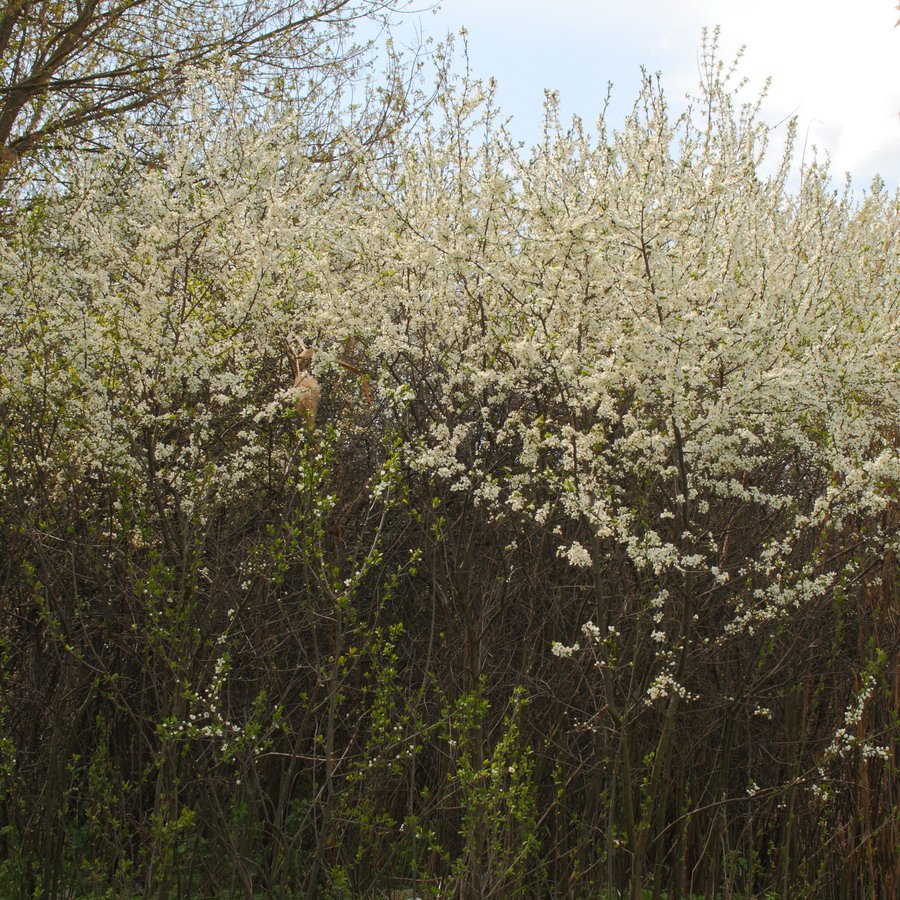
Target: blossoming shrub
[
  {"x": 640, "y": 355},
  {"x": 590, "y": 586}
]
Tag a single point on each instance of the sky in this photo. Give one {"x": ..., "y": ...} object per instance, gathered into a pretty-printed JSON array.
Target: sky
[{"x": 835, "y": 66}]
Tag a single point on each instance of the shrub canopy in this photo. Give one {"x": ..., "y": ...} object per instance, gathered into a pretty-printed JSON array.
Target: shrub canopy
[{"x": 586, "y": 579}]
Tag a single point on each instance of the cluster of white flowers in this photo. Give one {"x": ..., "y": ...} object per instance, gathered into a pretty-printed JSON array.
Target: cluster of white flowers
[
  {"x": 845, "y": 738},
  {"x": 577, "y": 555},
  {"x": 664, "y": 685},
  {"x": 561, "y": 650},
  {"x": 623, "y": 340}
]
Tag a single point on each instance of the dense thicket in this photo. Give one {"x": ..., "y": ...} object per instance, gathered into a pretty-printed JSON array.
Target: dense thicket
[{"x": 586, "y": 584}]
